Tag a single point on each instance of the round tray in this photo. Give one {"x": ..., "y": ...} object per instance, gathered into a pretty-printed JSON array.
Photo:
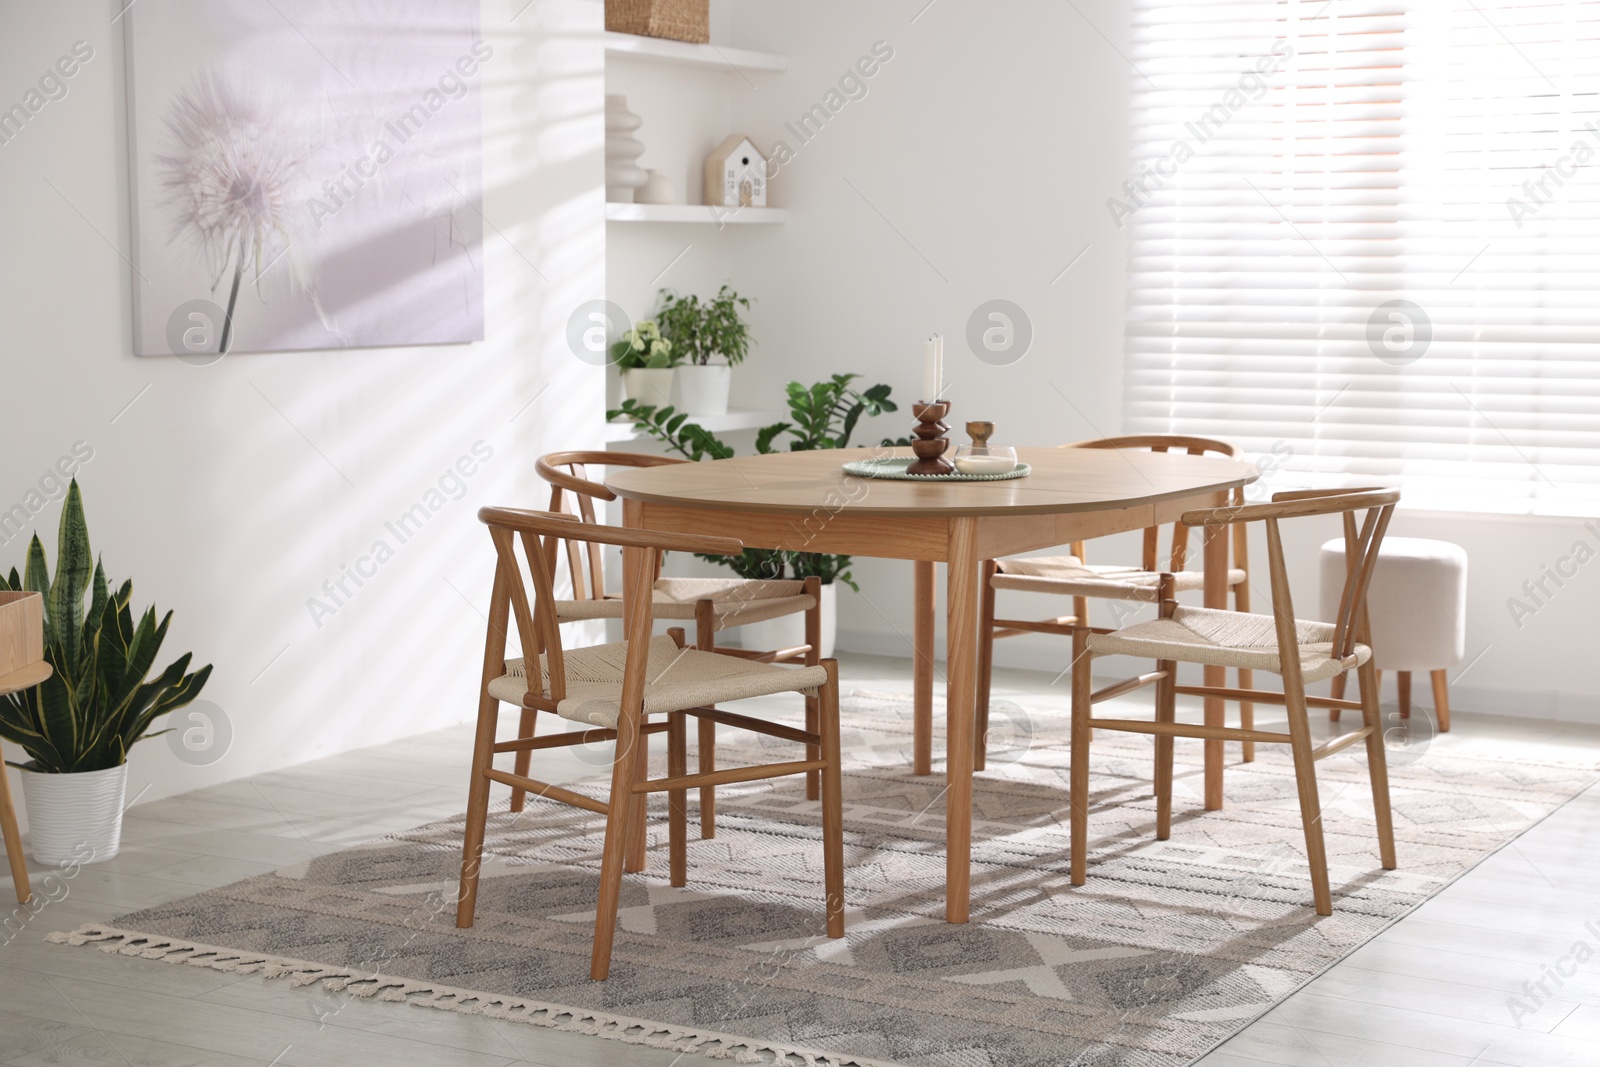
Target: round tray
[{"x": 895, "y": 469}]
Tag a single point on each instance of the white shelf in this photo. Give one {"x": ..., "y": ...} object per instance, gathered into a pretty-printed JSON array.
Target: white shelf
[
  {"x": 701, "y": 213},
  {"x": 682, "y": 53},
  {"x": 738, "y": 419}
]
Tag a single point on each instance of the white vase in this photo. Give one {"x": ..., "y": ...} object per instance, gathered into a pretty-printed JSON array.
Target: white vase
[
  {"x": 649, "y": 385},
  {"x": 704, "y": 389},
  {"x": 790, "y": 630},
  {"x": 657, "y": 190},
  {"x": 75, "y": 817},
  {"x": 623, "y": 149}
]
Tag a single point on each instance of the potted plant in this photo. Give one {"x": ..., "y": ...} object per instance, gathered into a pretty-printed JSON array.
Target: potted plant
[
  {"x": 79, "y": 724},
  {"x": 709, "y": 339},
  {"x": 824, "y": 415},
  {"x": 645, "y": 359}
]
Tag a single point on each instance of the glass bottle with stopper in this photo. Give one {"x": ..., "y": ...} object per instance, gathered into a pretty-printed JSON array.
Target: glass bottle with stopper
[{"x": 981, "y": 457}]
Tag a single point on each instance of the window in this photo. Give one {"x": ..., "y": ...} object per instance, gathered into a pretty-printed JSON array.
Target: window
[{"x": 1367, "y": 236}]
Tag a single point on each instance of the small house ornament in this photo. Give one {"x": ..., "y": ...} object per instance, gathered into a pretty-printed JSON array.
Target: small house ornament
[{"x": 736, "y": 174}]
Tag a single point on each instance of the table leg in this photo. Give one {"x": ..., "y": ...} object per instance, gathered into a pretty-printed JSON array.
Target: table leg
[
  {"x": 1216, "y": 596},
  {"x": 922, "y": 668},
  {"x": 961, "y": 700},
  {"x": 13, "y": 839}
]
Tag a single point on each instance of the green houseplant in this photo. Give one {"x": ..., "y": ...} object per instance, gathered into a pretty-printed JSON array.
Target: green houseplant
[
  {"x": 79, "y": 724},
  {"x": 646, "y": 361},
  {"x": 710, "y": 338},
  {"x": 823, "y": 415}
]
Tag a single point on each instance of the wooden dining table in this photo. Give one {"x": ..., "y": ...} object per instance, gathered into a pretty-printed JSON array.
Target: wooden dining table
[{"x": 803, "y": 501}]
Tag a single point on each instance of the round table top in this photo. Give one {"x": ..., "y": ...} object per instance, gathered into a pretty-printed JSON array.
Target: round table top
[
  {"x": 1063, "y": 480},
  {"x": 24, "y": 678}
]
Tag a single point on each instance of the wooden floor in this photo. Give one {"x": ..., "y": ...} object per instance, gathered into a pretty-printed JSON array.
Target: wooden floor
[{"x": 1433, "y": 991}]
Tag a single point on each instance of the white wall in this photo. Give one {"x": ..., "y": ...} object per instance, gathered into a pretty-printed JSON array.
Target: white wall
[
  {"x": 230, "y": 493},
  {"x": 978, "y": 166}
]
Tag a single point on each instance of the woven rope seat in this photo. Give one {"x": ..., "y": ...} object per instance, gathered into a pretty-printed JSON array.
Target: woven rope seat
[
  {"x": 677, "y": 678},
  {"x": 1070, "y": 576},
  {"x": 1226, "y": 639},
  {"x": 734, "y": 601}
]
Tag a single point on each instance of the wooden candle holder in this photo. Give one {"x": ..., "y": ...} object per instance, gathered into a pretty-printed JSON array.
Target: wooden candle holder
[{"x": 930, "y": 443}]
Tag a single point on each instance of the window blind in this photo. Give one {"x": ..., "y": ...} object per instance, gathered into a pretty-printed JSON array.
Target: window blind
[{"x": 1364, "y": 239}]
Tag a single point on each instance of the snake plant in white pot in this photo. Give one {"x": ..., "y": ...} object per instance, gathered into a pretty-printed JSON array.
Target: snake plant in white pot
[{"x": 79, "y": 724}]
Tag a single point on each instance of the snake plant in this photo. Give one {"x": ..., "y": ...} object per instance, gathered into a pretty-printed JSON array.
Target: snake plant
[{"x": 99, "y": 700}]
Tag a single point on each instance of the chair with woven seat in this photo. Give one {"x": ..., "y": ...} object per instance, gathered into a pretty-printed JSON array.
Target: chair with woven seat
[
  {"x": 615, "y": 689},
  {"x": 1074, "y": 577},
  {"x": 1300, "y": 652},
  {"x": 712, "y": 604}
]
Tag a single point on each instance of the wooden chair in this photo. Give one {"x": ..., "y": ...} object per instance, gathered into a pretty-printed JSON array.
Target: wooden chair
[
  {"x": 1073, "y": 576},
  {"x": 714, "y": 604},
  {"x": 614, "y": 688},
  {"x": 1301, "y": 652}
]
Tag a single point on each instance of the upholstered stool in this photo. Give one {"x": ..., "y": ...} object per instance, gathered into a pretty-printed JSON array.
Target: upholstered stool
[{"x": 1418, "y": 607}]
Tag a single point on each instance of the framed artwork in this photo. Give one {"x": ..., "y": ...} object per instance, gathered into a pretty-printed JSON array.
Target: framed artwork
[{"x": 305, "y": 175}]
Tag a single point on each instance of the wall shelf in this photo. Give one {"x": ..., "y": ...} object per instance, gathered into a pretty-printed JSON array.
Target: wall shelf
[
  {"x": 693, "y": 213},
  {"x": 682, "y": 53},
  {"x": 736, "y": 419}
]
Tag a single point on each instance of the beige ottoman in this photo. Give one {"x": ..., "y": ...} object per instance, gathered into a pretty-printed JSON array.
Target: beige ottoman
[{"x": 1418, "y": 606}]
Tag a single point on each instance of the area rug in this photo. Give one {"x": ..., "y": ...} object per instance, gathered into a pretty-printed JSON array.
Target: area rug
[{"x": 1169, "y": 949}]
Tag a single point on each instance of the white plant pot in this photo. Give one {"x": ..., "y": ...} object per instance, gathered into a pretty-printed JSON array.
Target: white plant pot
[
  {"x": 75, "y": 817},
  {"x": 649, "y": 385},
  {"x": 704, "y": 390},
  {"x": 790, "y": 630}
]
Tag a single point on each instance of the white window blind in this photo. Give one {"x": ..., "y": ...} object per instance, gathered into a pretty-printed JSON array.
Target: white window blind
[{"x": 1298, "y": 166}]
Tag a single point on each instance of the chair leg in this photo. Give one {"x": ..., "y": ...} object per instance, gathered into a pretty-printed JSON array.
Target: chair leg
[
  {"x": 1082, "y": 688},
  {"x": 1305, "y": 775},
  {"x": 705, "y": 639},
  {"x": 619, "y": 813},
  {"x": 813, "y": 657},
  {"x": 1377, "y": 764},
  {"x": 985, "y": 665},
  {"x": 1247, "y": 678},
  {"x": 13, "y": 839},
  {"x": 678, "y": 799},
  {"x": 525, "y": 729},
  {"x": 1247, "y": 713},
  {"x": 832, "y": 801},
  {"x": 639, "y": 762},
  {"x": 1166, "y": 711},
  {"x": 1404, "y": 682},
  {"x": 1336, "y": 690},
  {"x": 1441, "y": 699},
  {"x": 477, "y": 809},
  {"x": 707, "y": 747}
]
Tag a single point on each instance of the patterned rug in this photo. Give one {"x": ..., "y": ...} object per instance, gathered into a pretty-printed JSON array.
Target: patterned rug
[{"x": 1169, "y": 949}]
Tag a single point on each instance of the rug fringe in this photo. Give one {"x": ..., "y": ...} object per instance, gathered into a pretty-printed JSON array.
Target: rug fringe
[{"x": 717, "y": 1046}]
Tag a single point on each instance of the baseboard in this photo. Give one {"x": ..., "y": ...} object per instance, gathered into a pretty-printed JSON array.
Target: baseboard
[{"x": 1050, "y": 655}]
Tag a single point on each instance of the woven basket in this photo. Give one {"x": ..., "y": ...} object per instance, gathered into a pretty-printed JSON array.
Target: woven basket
[{"x": 679, "y": 20}]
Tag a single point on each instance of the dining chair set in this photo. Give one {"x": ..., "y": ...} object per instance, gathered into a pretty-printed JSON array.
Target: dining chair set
[{"x": 625, "y": 692}]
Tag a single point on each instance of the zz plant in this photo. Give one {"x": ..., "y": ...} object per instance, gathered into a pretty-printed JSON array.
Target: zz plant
[{"x": 99, "y": 699}]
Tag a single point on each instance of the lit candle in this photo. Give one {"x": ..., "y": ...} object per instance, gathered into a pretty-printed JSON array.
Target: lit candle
[{"x": 930, "y": 370}]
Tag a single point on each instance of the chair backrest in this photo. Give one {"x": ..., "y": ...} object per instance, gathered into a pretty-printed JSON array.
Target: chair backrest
[
  {"x": 1361, "y": 545},
  {"x": 1165, "y": 442},
  {"x": 572, "y": 492},
  {"x": 538, "y": 628}
]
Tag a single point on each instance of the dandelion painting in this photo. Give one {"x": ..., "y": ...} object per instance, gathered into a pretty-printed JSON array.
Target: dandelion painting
[{"x": 306, "y": 175}]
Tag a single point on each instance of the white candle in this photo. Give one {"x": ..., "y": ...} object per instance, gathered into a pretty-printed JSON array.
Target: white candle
[
  {"x": 985, "y": 464},
  {"x": 938, "y": 352},
  {"x": 930, "y": 370}
]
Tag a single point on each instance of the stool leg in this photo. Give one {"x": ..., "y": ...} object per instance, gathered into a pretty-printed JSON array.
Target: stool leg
[
  {"x": 13, "y": 838},
  {"x": 1405, "y": 694},
  {"x": 1441, "y": 699}
]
